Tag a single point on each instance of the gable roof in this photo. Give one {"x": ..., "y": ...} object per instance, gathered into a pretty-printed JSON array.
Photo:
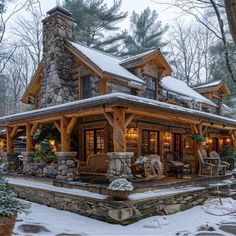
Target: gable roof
[
  {"x": 107, "y": 64},
  {"x": 34, "y": 85},
  {"x": 218, "y": 85},
  {"x": 179, "y": 87},
  {"x": 143, "y": 58}
]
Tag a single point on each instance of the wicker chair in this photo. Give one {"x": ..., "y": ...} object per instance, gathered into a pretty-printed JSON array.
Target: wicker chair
[
  {"x": 222, "y": 165},
  {"x": 205, "y": 168}
]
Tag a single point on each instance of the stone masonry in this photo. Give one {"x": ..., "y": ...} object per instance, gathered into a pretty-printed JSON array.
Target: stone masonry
[
  {"x": 66, "y": 169},
  {"x": 57, "y": 86},
  {"x": 11, "y": 162},
  {"x": 114, "y": 211},
  {"x": 119, "y": 167}
]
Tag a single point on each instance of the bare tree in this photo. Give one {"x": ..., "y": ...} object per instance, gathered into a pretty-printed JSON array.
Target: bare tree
[
  {"x": 230, "y": 6},
  {"x": 29, "y": 33},
  {"x": 214, "y": 9},
  {"x": 189, "y": 47}
]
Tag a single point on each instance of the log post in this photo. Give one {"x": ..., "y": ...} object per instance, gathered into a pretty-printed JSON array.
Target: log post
[
  {"x": 10, "y": 146},
  {"x": 29, "y": 138},
  {"x": 119, "y": 130},
  {"x": 65, "y": 137}
]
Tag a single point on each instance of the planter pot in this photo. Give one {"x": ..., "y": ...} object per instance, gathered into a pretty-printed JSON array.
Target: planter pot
[
  {"x": 119, "y": 195},
  {"x": 7, "y": 225}
]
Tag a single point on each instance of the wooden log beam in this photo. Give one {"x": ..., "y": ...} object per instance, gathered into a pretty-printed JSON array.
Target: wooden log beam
[
  {"x": 109, "y": 118},
  {"x": 119, "y": 140},
  {"x": 29, "y": 138},
  {"x": 34, "y": 128},
  {"x": 58, "y": 126},
  {"x": 65, "y": 138},
  {"x": 10, "y": 146},
  {"x": 204, "y": 130},
  {"x": 129, "y": 119},
  {"x": 71, "y": 125},
  {"x": 14, "y": 131}
]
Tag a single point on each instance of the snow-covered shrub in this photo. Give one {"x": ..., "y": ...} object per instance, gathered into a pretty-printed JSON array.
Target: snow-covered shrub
[
  {"x": 120, "y": 185},
  {"x": 9, "y": 204}
]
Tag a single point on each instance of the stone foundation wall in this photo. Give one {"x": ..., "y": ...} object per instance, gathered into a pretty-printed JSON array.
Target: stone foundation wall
[
  {"x": 11, "y": 162},
  {"x": 65, "y": 169},
  {"x": 111, "y": 211}
]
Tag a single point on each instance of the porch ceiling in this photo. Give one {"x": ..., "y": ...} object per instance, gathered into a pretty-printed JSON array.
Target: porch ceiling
[{"x": 134, "y": 104}]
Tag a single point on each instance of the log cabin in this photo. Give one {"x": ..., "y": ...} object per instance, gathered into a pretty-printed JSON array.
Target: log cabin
[{"x": 100, "y": 104}]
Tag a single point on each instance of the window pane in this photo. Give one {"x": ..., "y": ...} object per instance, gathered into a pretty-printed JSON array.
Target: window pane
[
  {"x": 89, "y": 142},
  {"x": 150, "y": 142},
  {"x": 151, "y": 88},
  {"x": 100, "y": 141}
]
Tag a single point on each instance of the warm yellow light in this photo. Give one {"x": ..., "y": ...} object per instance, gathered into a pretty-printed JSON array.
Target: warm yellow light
[
  {"x": 52, "y": 142},
  {"x": 131, "y": 134},
  {"x": 37, "y": 146},
  {"x": 1, "y": 144},
  {"x": 221, "y": 141},
  {"x": 228, "y": 140},
  {"x": 167, "y": 136}
]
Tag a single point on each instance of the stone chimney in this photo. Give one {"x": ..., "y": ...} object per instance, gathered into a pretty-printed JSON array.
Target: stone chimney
[{"x": 57, "y": 86}]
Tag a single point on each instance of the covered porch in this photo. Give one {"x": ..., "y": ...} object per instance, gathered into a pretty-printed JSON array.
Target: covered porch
[{"x": 120, "y": 127}]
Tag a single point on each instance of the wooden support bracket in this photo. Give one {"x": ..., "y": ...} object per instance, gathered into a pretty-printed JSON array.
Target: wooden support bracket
[
  {"x": 71, "y": 124},
  {"x": 34, "y": 128},
  {"x": 14, "y": 131}
]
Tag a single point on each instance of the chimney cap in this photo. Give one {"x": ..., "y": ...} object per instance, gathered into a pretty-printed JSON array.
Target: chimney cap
[{"x": 61, "y": 10}]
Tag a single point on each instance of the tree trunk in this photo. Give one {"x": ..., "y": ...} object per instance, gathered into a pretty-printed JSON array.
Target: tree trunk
[{"x": 230, "y": 7}]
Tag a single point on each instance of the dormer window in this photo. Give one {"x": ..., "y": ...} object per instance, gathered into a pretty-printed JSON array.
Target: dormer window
[
  {"x": 151, "y": 88},
  {"x": 90, "y": 86}
]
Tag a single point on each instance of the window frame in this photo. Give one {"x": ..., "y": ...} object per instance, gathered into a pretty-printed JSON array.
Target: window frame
[
  {"x": 151, "y": 88},
  {"x": 149, "y": 142},
  {"x": 95, "y": 144}
]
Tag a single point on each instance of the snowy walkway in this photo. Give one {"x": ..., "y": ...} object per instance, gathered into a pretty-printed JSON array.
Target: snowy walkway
[{"x": 59, "y": 222}]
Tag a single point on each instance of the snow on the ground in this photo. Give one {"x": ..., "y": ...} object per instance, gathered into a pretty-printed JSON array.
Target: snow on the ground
[
  {"x": 163, "y": 192},
  {"x": 45, "y": 186},
  {"x": 84, "y": 193},
  {"x": 59, "y": 222}
]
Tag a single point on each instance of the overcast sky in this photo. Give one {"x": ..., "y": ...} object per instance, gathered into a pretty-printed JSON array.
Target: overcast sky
[{"x": 166, "y": 14}]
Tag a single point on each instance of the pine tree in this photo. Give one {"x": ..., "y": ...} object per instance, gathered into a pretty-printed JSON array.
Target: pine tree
[
  {"x": 145, "y": 33},
  {"x": 218, "y": 66},
  {"x": 9, "y": 204},
  {"x": 95, "y": 20}
]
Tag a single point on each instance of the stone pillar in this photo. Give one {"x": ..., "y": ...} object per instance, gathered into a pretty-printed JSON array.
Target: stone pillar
[
  {"x": 27, "y": 159},
  {"x": 119, "y": 165},
  {"x": 11, "y": 162},
  {"x": 67, "y": 168}
]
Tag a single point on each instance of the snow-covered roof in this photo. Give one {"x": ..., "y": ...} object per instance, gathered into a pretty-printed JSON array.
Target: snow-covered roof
[
  {"x": 226, "y": 109},
  {"x": 179, "y": 87},
  {"x": 106, "y": 63},
  {"x": 210, "y": 84},
  {"x": 138, "y": 56},
  {"x": 121, "y": 98}
]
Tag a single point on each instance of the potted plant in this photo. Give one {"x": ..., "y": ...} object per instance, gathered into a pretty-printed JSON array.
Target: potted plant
[
  {"x": 229, "y": 155},
  {"x": 10, "y": 206},
  {"x": 120, "y": 189},
  {"x": 197, "y": 138}
]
